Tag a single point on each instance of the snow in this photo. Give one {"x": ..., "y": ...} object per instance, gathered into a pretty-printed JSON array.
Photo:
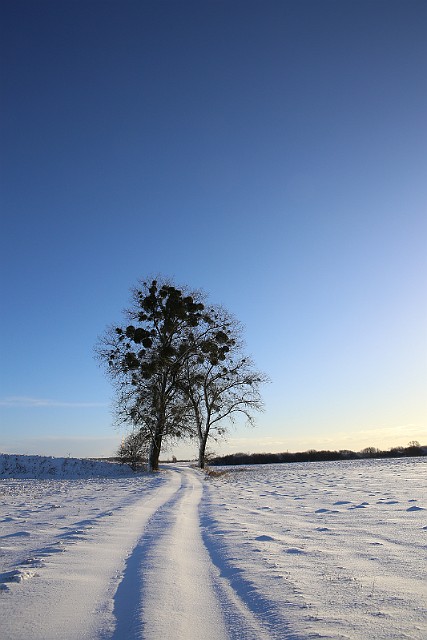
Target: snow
[
  {"x": 335, "y": 549},
  {"x": 314, "y": 550},
  {"x": 17, "y": 466}
]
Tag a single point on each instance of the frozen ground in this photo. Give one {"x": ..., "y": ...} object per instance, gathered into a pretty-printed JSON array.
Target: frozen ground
[
  {"x": 47, "y": 467},
  {"x": 317, "y": 550}
]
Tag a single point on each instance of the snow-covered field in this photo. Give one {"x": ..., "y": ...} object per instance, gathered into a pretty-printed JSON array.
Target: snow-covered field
[
  {"x": 12, "y": 466},
  {"x": 315, "y": 550}
]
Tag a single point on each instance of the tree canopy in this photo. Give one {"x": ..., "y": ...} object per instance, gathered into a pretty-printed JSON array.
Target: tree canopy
[{"x": 178, "y": 367}]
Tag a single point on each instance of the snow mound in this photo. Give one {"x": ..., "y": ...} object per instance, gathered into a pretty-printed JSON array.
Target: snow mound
[{"x": 20, "y": 466}]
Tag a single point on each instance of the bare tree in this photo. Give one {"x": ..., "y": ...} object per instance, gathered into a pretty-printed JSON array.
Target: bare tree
[
  {"x": 220, "y": 382},
  {"x": 134, "y": 449},
  {"x": 145, "y": 360},
  {"x": 178, "y": 368}
]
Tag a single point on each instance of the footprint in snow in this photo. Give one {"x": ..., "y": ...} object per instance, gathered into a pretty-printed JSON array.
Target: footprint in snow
[
  {"x": 415, "y": 508},
  {"x": 295, "y": 551},
  {"x": 73, "y": 539},
  {"x": 34, "y": 562},
  {"x": 74, "y": 534},
  {"x": 17, "y": 575},
  {"x": 342, "y": 502},
  {"x": 264, "y": 538},
  {"x": 48, "y": 551}
]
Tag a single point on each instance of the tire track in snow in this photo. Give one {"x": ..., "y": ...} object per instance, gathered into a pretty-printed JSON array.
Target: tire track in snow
[
  {"x": 248, "y": 615},
  {"x": 172, "y": 568},
  {"x": 171, "y": 587},
  {"x": 71, "y": 598},
  {"x": 129, "y": 594}
]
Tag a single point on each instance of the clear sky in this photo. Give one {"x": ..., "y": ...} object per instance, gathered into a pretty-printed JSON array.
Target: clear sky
[{"x": 272, "y": 153}]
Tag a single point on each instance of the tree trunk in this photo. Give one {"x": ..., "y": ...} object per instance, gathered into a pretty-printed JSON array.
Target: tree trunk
[
  {"x": 154, "y": 454},
  {"x": 202, "y": 450}
]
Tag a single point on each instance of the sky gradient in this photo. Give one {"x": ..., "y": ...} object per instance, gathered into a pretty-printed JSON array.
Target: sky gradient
[{"x": 270, "y": 153}]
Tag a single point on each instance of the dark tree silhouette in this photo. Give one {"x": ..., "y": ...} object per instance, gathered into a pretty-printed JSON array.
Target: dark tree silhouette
[
  {"x": 134, "y": 450},
  {"x": 220, "y": 382},
  {"x": 145, "y": 360},
  {"x": 178, "y": 368}
]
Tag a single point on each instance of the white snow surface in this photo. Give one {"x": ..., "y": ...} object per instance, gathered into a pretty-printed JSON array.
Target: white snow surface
[
  {"x": 17, "y": 466},
  {"x": 291, "y": 551}
]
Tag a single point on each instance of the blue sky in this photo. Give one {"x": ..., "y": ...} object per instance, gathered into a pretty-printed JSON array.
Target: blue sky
[{"x": 270, "y": 153}]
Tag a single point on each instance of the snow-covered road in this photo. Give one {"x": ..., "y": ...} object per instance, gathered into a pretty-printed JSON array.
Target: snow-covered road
[
  {"x": 286, "y": 552},
  {"x": 176, "y": 595},
  {"x": 75, "y": 550},
  {"x": 137, "y": 570}
]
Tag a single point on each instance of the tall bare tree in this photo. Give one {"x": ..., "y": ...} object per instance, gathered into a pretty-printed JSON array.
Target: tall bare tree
[{"x": 145, "y": 359}]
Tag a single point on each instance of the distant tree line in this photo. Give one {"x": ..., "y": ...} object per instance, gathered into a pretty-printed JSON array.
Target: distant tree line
[{"x": 413, "y": 449}]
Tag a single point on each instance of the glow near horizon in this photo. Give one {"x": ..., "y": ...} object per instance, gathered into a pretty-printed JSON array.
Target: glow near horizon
[{"x": 277, "y": 161}]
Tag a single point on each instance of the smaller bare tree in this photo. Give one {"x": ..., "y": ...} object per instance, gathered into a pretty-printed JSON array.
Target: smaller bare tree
[
  {"x": 134, "y": 450},
  {"x": 221, "y": 383}
]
